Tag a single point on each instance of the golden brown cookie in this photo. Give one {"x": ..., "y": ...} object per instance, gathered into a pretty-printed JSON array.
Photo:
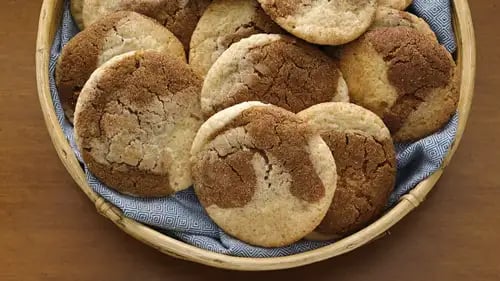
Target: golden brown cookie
[
  {"x": 275, "y": 69},
  {"x": 262, "y": 174},
  {"x": 116, "y": 34},
  {"x": 396, "y": 4},
  {"x": 226, "y": 22},
  {"x": 76, "y": 7},
  {"x": 179, "y": 16},
  {"x": 135, "y": 122},
  {"x": 389, "y": 17},
  {"x": 324, "y": 22},
  {"x": 366, "y": 164},
  {"x": 405, "y": 77}
]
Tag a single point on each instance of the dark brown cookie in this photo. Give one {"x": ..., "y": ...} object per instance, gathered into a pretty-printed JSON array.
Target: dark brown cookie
[
  {"x": 275, "y": 69},
  {"x": 262, "y": 174},
  {"x": 240, "y": 18},
  {"x": 405, "y": 77},
  {"x": 366, "y": 164},
  {"x": 179, "y": 16},
  {"x": 135, "y": 121},
  {"x": 116, "y": 34}
]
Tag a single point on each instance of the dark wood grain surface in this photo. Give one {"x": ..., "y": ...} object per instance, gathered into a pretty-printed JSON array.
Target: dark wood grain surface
[{"x": 49, "y": 230}]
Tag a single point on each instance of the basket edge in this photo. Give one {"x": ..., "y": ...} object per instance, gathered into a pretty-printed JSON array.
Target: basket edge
[{"x": 178, "y": 249}]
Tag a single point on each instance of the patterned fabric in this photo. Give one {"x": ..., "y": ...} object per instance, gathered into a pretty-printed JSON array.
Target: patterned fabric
[
  {"x": 437, "y": 13},
  {"x": 181, "y": 216}
]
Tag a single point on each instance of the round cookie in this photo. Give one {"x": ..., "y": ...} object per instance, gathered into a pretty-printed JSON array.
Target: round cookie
[
  {"x": 224, "y": 23},
  {"x": 115, "y": 34},
  {"x": 178, "y": 16},
  {"x": 135, "y": 122},
  {"x": 396, "y": 4},
  {"x": 389, "y": 17},
  {"x": 405, "y": 77},
  {"x": 262, "y": 174},
  {"x": 76, "y": 7},
  {"x": 325, "y": 22},
  {"x": 366, "y": 165},
  {"x": 275, "y": 69}
]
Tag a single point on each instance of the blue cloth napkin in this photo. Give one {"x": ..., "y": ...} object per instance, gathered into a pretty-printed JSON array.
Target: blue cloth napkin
[{"x": 181, "y": 216}]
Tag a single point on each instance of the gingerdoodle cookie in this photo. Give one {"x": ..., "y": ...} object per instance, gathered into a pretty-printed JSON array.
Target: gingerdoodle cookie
[
  {"x": 262, "y": 174},
  {"x": 325, "y": 22},
  {"x": 116, "y": 34},
  {"x": 226, "y": 22},
  {"x": 275, "y": 69},
  {"x": 405, "y": 77},
  {"x": 396, "y": 4},
  {"x": 366, "y": 165},
  {"x": 180, "y": 17},
  {"x": 76, "y": 7},
  {"x": 135, "y": 121},
  {"x": 389, "y": 17}
]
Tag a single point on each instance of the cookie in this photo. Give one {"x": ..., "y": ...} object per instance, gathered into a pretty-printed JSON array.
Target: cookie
[
  {"x": 405, "y": 77},
  {"x": 323, "y": 22},
  {"x": 180, "y": 17},
  {"x": 135, "y": 122},
  {"x": 262, "y": 174},
  {"x": 389, "y": 17},
  {"x": 366, "y": 164},
  {"x": 275, "y": 69},
  {"x": 226, "y": 22},
  {"x": 76, "y": 7},
  {"x": 116, "y": 34},
  {"x": 396, "y": 4}
]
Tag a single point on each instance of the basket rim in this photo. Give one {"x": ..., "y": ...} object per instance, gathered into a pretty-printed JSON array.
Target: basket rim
[{"x": 464, "y": 32}]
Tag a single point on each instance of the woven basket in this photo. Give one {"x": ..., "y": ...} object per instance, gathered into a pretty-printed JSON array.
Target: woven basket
[{"x": 49, "y": 22}]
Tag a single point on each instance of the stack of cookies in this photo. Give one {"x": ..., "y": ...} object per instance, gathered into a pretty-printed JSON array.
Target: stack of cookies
[{"x": 282, "y": 114}]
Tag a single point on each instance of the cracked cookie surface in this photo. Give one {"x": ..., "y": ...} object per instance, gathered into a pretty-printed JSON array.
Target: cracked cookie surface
[
  {"x": 135, "y": 122},
  {"x": 224, "y": 23},
  {"x": 262, "y": 174},
  {"x": 179, "y": 16},
  {"x": 116, "y": 34},
  {"x": 405, "y": 77},
  {"x": 324, "y": 22},
  {"x": 275, "y": 69},
  {"x": 366, "y": 165}
]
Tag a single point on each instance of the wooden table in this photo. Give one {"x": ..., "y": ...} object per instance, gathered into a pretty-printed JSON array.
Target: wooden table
[{"x": 50, "y": 231}]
